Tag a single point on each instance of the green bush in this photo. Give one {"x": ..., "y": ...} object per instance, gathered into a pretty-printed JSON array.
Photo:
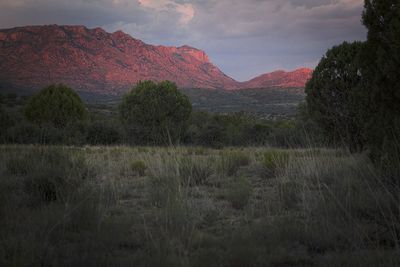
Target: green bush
[
  {"x": 155, "y": 113},
  {"x": 274, "y": 161},
  {"x": 138, "y": 168},
  {"x": 49, "y": 174},
  {"x": 23, "y": 133},
  {"x": 213, "y": 134},
  {"x": 58, "y": 105}
]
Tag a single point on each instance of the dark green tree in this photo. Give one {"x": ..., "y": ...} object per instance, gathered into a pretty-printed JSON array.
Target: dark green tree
[
  {"x": 381, "y": 78},
  {"x": 332, "y": 95},
  {"x": 155, "y": 113},
  {"x": 55, "y": 105}
]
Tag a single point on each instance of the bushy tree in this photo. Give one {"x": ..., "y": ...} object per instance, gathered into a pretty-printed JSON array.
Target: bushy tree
[
  {"x": 155, "y": 113},
  {"x": 381, "y": 83},
  {"x": 332, "y": 95},
  {"x": 57, "y": 105}
]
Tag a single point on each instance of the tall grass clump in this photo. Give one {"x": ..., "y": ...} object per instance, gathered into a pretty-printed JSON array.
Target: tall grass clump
[
  {"x": 230, "y": 161},
  {"x": 48, "y": 174},
  {"x": 274, "y": 162},
  {"x": 53, "y": 210},
  {"x": 195, "y": 170},
  {"x": 170, "y": 230},
  {"x": 138, "y": 168},
  {"x": 343, "y": 203}
]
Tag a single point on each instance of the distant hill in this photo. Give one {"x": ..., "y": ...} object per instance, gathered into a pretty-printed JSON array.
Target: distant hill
[
  {"x": 93, "y": 60},
  {"x": 280, "y": 79}
]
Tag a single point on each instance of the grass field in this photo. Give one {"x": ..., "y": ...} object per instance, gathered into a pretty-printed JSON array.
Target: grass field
[{"x": 192, "y": 206}]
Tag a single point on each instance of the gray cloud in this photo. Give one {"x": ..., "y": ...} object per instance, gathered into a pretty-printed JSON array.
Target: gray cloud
[{"x": 244, "y": 38}]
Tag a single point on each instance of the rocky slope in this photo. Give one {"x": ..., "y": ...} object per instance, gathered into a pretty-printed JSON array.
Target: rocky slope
[{"x": 96, "y": 61}]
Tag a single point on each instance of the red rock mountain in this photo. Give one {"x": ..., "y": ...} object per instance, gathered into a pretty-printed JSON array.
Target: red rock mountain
[
  {"x": 97, "y": 61},
  {"x": 280, "y": 79}
]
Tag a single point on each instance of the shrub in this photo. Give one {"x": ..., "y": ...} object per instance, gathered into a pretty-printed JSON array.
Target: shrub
[
  {"x": 273, "y": 161},
  {"x": 58, "y": 105},
  {"x": 213, "y": 134},
  {"x": 138, "y": 168},
  {"x": 342, "y": 200},
  {"x": 24, "y": 133},
  {"x": 238, "y": 192},
  {"x": 102, "y": 133},
  {"x": 49, "y": 174},
  {"x": 155, "y": 113}
]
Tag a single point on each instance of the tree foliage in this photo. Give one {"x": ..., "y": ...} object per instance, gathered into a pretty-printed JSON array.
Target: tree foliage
[
  {"x": 381, "y": 77},
  {"x": 57, "y": 105},
  {"x": 332, "y": 94},
  {"x": 155, "y": 113}
]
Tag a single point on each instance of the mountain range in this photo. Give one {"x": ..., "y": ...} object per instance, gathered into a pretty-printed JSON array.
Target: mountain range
[{"x": 93, "y": 60}]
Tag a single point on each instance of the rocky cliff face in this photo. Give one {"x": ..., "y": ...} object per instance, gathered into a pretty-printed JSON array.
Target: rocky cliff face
[
  {"x": 280, "y": 79},
  {"x": 96, "y": 61}
]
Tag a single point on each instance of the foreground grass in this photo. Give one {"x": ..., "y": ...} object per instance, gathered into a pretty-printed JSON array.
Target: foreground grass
[{"x": 121, "y": 206}]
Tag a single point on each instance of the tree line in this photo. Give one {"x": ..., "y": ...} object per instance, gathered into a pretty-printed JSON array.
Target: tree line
[{"x": 150, "y": 114}]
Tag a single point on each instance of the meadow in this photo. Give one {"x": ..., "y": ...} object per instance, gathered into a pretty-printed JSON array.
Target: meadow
[{"x": 194, "y": 206}]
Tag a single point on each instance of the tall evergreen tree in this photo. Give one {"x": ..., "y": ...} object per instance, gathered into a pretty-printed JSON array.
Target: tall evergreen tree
[
  {"x": 381, "y": 77},
  {"x": 332, "y": 95}
]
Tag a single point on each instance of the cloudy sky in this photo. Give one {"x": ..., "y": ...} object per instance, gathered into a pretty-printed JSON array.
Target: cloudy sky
[{"x": 244, "y": 38}]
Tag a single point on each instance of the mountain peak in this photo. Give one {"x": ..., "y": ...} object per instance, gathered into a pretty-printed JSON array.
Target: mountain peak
[
  {"x": 194, "y": 52},
  {"x": 95, "y": 60}
]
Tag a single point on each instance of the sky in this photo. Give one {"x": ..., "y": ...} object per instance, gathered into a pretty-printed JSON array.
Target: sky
[{"x": 244, "y": 38}]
